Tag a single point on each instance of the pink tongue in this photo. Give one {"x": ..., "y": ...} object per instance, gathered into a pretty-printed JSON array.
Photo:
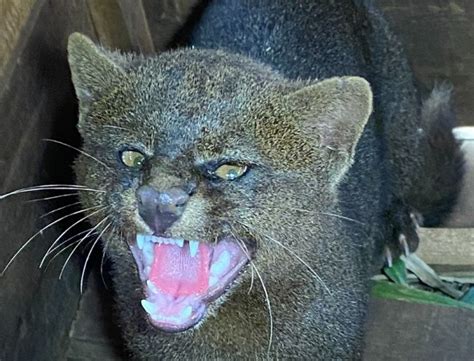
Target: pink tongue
[{"x": 176, "y": 273}]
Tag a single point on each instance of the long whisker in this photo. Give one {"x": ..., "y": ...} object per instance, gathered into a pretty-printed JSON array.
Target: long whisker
[
  {"x": 104, "y": 252},
  {"x": 67, "y": 240},
  {"x": 90, "y": 252},
  {"x": 59, "y": 209},
  {"x": 319, "y": 212},
  {"x": 80, "y": 151},
  {"x": 117, "y": 127},
  {"x": 247, "y": 252},
  {"x": 63, "y": 250},
  {"x": 294, "y": 254},
  {"x": 267, "y": 297},
  {"x": 343, "y": 217},
  {"x": 68, "y": 229},
  {"x": 52, "y": 197},
  {"x": 38, "y": 233},
  {"x": 77, "y": 246},
  {"x": 49, "y": 187}
]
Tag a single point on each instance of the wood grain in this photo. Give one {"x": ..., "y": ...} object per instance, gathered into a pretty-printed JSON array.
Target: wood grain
[{"x": 137, "y": 26}]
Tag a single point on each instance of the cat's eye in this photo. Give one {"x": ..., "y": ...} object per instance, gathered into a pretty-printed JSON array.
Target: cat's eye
[
  {"x": 132, "y": 158},
  {"x": 230, "y": 171}
]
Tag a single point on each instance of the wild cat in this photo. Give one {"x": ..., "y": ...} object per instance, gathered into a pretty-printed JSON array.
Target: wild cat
[{"x": 248, "y": 183}]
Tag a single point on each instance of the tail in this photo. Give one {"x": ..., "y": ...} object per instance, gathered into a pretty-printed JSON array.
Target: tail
[{"x": 439, "y": 180}]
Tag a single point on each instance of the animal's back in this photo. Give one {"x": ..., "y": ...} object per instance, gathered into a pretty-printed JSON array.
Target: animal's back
[{"x": 407, "y": 145}]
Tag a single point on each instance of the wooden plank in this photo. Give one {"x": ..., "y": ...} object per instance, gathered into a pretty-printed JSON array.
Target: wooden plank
[
  {"x": 408, "y": 331},
  {"x": 137, "y": 25},
  {"x": 37, "y": 102},
  {"x": 165, "y": 18},
  {"x": 14, "y": 15},
  {"x": 447, "y": 246},
  {"x": 463, "y": 213},
  {"x": 438, "y": 36},
  {"x": 109, "y": 24}
]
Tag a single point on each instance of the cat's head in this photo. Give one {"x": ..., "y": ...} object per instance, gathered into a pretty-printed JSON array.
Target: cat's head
[{"x": 209, "y": 165}]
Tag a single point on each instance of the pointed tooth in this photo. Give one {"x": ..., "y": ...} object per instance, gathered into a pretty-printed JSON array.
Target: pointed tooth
[
  {"x": 193, "y": 248},
  {"x": 213, "y": 281},
  {"x": 152, "y": 286},
  {"x": 179, "y": 242},
  {"x": 148, "y": 253},
  {"x": 155, "y": 239},
  {"x": 219, "y": 267},
  {"x": 187, "y": 312},
  {"x": 140, "y": 240},
  {"x": 149, "y": 307}
]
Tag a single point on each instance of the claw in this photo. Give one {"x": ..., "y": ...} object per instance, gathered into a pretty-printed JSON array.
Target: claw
[
  {"x": 404, "y": 244},
  {"x": 388, "y": 257},
  {"x": 416, "y": 219}
]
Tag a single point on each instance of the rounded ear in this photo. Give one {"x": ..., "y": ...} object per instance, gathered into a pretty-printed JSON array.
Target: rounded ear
[
  {"x": 92, "y": 68},
  {"x": 333, "y": 113}
]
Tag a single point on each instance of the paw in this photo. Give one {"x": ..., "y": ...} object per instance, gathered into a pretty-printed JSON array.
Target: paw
[{"x": 404, "y": 235}]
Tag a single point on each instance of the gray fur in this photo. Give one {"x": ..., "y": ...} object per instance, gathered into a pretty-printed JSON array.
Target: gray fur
[{"x": 327, "y": 180}]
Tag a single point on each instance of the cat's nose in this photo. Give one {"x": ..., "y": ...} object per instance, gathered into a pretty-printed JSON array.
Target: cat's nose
[{"x": 161, "y": 209}]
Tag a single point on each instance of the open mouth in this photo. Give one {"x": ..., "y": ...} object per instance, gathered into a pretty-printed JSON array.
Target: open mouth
[{"x": 181, "y": 278}]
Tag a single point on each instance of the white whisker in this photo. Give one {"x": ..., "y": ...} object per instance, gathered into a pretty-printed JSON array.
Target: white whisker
[
  {"x": 38, "y": 233},
  {"x": 77, "y": 246},
  {"x": 52, "y": 197},
  {"x": 265, "y": 291},
  {"x": 68, "y": 229},
  {"x": 49, "y": 187},
  {"x": 294, "y": 254},
  {"x": 104, "y": 252},
  {"x": 80, "y": 151},
  {"x": 67, "y": 240},
  {"x": 59, "y": 209},
  {"x": 89, "y": 254}
]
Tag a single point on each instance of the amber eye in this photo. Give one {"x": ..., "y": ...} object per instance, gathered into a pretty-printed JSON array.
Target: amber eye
[
  {"x": 132, "y": 159},
  {"x": 230, "y": 172}
]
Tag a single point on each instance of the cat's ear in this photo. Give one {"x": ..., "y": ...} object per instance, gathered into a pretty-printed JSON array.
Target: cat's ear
[
  {"x": 93, "y": 69},
  {"x": 333, "y": 113}
]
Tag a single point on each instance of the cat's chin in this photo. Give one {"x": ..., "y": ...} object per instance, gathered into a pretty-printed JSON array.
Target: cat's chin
[{"x": 181, "y": 278}]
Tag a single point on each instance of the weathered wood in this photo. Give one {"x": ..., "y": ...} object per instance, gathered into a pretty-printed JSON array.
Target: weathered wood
[
  {"x": 137, "y": 25},
  {"x": 14, "y": 15},
  {"x": 463, "y": 213},
  {"x": 447, "y": 246},
  {"x": 408, "y": 331},
  {"x": 109, "y": 24},
  {"x": 37, "y": 101},
  {"x": 438, "y": 36},
  {"x": 165, "y": 17}
]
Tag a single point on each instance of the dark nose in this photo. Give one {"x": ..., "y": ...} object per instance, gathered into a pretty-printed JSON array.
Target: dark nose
[{"x": 161, "y": 209}]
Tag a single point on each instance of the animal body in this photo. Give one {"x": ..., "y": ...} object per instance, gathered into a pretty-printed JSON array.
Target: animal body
[{"x": 252, "y": 178}]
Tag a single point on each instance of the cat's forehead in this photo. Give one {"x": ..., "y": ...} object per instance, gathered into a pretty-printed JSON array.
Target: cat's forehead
[{"x": 203, "y": 97}]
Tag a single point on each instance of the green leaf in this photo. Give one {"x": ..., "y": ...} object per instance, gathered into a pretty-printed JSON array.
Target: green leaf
[
  {"x": 388, "y": 290},
  {"x": 397, "y": 273},
  {"x": 468, "y": 297}
]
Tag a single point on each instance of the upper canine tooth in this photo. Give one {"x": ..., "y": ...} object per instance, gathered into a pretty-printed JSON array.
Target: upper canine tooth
[
  {"x": 149, "y": 307},
  {"x": 193, "y": 248},
  {"x": 140, "y": 240}
]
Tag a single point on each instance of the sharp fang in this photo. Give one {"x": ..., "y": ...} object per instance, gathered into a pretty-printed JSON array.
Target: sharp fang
[
  {"x": 151, "y": 286},
  {"x": 140, "y": 240},
  {"x": 213, "y": 281},
  {"x": 193, "y": 248},
  {"x": 220, "y": 267},
  {"x": 149, "y": 307},
  {"x": 179, "y": 242},
  {"x": 187, "y": 312}
]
